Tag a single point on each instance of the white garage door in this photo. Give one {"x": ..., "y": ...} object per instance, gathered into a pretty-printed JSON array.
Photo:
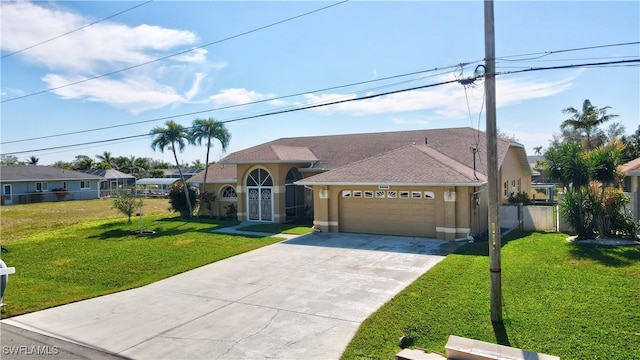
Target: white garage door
[{"x": 408, "y": 213}]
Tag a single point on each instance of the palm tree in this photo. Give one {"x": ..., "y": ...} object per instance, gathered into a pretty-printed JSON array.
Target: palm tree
[
  {"x": 197, "y": 164},
  {"x": 538, "y": 150},
  {"x": 209, "y": 129},
  {"x": 106, "y": 159},
  {"x": 33, "y": 160},
  {"x": 586, "y": 120},
  {"x": 172, "y": 136}
]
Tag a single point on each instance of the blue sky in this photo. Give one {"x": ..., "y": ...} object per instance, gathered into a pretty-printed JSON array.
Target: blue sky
[{"x": 352, "y": 42}]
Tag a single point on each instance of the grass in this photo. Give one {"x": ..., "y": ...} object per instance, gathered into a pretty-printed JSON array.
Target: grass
[
  {"x": 292, "y": 229},
  {"x": 80, "y": 259},
  {"x": 569, "y": 300}
]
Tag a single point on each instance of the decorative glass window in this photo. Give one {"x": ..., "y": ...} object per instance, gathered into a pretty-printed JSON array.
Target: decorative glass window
[
  {"x": 357, "y": 193},
  {"x": 429, "y": 195},
  {"x": 85, "y": 184},
  {"x": 416, "y": 195},
  {"x": 346, "y": 193},
  {"x": 42, "y": 186},
  {"x": 404, "y": 194},
  {"x": 392, "y": 194},
  {"x": 368, "y": 194},
  {"x": 228, "y": 192},
  {"x": 379, "y": 194}
]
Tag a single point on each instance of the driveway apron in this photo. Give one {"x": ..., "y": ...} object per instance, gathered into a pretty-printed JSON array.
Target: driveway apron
[{"x": 301, "y": 298}]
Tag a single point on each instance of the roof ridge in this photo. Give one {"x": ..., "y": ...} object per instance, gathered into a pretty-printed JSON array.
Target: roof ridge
[{"x": 454, "y": 164}]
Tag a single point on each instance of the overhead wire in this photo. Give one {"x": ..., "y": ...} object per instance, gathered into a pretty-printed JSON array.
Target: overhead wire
[
  {"x": 333, "y": 103},
  {"x": 75, "y": 30},
  {"x": 235, "y": 105},
  {"x": 174, "y": 54}
]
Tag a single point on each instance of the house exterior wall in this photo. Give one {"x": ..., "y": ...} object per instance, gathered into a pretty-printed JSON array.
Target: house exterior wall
[
  {"x": 24, "y": 192},
  {"x": 278, "y": 172},
  {"x": 512, "y": 178},
  {"x": 218, "y": 209},
  {"x": 447, "y": 216}
]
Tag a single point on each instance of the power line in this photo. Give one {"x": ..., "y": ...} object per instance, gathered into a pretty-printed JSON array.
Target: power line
[
  {"x": 173, "y": 55},
  {"x": 630, "y": 61},
  {"x": 230, "y": 106},
  {"x": 72, "y": 31},
  {"x": 542, "y": 54}
]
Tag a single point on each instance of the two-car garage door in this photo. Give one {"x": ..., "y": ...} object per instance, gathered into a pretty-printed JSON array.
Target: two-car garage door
[{"x": 408, "y": 213}]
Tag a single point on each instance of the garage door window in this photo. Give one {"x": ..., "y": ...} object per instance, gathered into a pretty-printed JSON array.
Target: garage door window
[
  {"x": 404, "y": 194},
  {"x": 380, "y": 194},
  {"x": 429, "y": 195},
  {"x": 392, "y": 194},
  {"x": 357, "y": 193},
  {"x": 346, "y": 193}
]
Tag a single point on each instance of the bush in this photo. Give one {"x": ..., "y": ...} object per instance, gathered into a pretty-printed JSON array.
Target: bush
[
  {"x": 617, "y": 221},
  {"x": 520, "y": 198},
  {"x": 579, "y": 208},
  {"x": 179, "y": 203}
]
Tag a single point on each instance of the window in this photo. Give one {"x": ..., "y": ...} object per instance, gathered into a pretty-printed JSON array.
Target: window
[
  {"x": 429, "y": 195},
  {"x": 85, "y": 184},
  {"x": 368, "y": 194},
  {"x": 404, "y": 194},
  {"x": 357, "y": 193},
  {"x": 42, "y": 186},
  {"x": 228, "y": 192},
  {"x": 380, "y": 194},
  {"x": 416, "y": 195},
  {"x": 346, "y": 193},
  {"x": 505, "y": 189},
  {"x": 6, "y": 190},
  {"x": 519, "y": 185},
  {"x": 64, "y": 185},
  {"x": 392, "y": 194}
]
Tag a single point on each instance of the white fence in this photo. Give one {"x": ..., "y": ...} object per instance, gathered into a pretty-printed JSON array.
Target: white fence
[{"x": 532, "y": 217}]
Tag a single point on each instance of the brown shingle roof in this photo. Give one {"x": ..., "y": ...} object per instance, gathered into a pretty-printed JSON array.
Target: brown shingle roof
[
  {"x": 217, "y": 173},
  {"x": 412, "y": 164},
  {"x": 632, "y": 168},
  {"x": 334, "y": 151}
]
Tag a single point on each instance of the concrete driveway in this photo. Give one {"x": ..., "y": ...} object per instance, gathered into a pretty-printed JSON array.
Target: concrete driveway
[{"x": 299, "y": 299}]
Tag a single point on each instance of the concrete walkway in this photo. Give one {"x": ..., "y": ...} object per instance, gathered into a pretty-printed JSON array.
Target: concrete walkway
[{"x": 299, "y": 299}]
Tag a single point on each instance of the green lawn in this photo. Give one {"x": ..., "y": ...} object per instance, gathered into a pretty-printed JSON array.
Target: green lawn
[
  {"x": 84, "y": 259},
  {"x": 292, "y": 229},
  {"x": 572, "y": 301}
]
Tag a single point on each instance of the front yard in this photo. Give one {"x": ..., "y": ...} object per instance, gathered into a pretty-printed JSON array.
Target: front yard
[
  {"x": 64, "y": 255},
  {"x": 572, "y": 301}
]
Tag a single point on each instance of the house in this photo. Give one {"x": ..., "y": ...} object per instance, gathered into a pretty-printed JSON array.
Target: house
[
  {"x": 428, "y": 183},
  {"x": 113, "y": 181},
  {"x": 154, "y": 187},
  {"x": 187, "y": 172},
  {"x": 631, "y": 185},
  {"x": 29, "y": 184}
]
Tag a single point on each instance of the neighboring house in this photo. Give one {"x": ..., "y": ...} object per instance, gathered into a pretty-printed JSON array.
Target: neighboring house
[
  {"x": 425, "y": 183},
  {"x": 113, "y": 181},
  {"x": 29, "y": 184},
  {"x": 154, "y": 187},
  {"x": 631, "y": 185},
  {"x": 187, "y": 172}
]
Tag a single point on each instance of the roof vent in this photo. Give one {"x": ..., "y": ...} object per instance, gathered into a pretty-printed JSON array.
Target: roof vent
[{"x": 425, "y": 140}]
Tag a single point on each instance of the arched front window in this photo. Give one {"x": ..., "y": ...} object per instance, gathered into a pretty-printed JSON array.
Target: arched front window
[
  {"x": 259, "y": 177},
  {"x": 229, "y": 193}
]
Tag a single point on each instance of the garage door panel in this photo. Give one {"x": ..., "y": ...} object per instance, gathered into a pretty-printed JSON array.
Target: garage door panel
[{"x": 400, "y": 216}]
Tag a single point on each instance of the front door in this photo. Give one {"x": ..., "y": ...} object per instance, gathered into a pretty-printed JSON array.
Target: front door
[
  {"x": 6, "y": 194},
  {"x": 259, "y": 196}
]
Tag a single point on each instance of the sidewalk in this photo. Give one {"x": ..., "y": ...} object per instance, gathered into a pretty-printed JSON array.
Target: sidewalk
[{"x": 233, "y": 230}]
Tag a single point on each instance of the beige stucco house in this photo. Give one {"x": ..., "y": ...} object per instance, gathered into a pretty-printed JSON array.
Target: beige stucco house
[{"x": 428, "y": 183}]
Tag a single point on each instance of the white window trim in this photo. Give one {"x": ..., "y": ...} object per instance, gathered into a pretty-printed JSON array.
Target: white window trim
[
  {"x": 44, "y": 186},
  {"x": 87, "y": 185}
]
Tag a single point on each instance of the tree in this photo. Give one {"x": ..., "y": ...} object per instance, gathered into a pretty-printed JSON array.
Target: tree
[
  {"x": 82, "y": 162},
  {"x": 538, "y": 150},
  {"x": 32, "y": 160},
  {"x": 209, "y": 129},
  {"x": 9, "y": 160},
  {"x": 178, "y": 202},
  {"x": 63, "y": 165},
  {"x": 127, "y": 203},
  {"x": 587, "y": 120},
  {"x": 197, "y": 164},
  {"x": 172, "y": 136},
  {"x": 632, "y": 146},
  {"x": 106, "y": 160}
]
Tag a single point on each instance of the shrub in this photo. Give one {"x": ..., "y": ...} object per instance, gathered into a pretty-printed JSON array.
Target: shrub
[
  {"x": 618, "y": 222},
  {"x": 579, "y": 209},
  {"x": 127, "y": 203},
  {"x": 231, "y": 212},
  {"x": 520, "y": 198},
  {"x": 60, "y": 193},
  {"x": 178, "y": 202}
]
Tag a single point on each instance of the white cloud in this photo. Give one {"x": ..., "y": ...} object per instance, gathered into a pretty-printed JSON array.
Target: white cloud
[
  {"x": 103, "y": 48},
  {"x": 446, "y": 101},
  {"x": 136, "y": 94},
  {"x": 238, "y": 96}
]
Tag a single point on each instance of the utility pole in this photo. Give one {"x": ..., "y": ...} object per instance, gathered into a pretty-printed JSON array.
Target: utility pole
[{"x": 492, "y": 164}]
